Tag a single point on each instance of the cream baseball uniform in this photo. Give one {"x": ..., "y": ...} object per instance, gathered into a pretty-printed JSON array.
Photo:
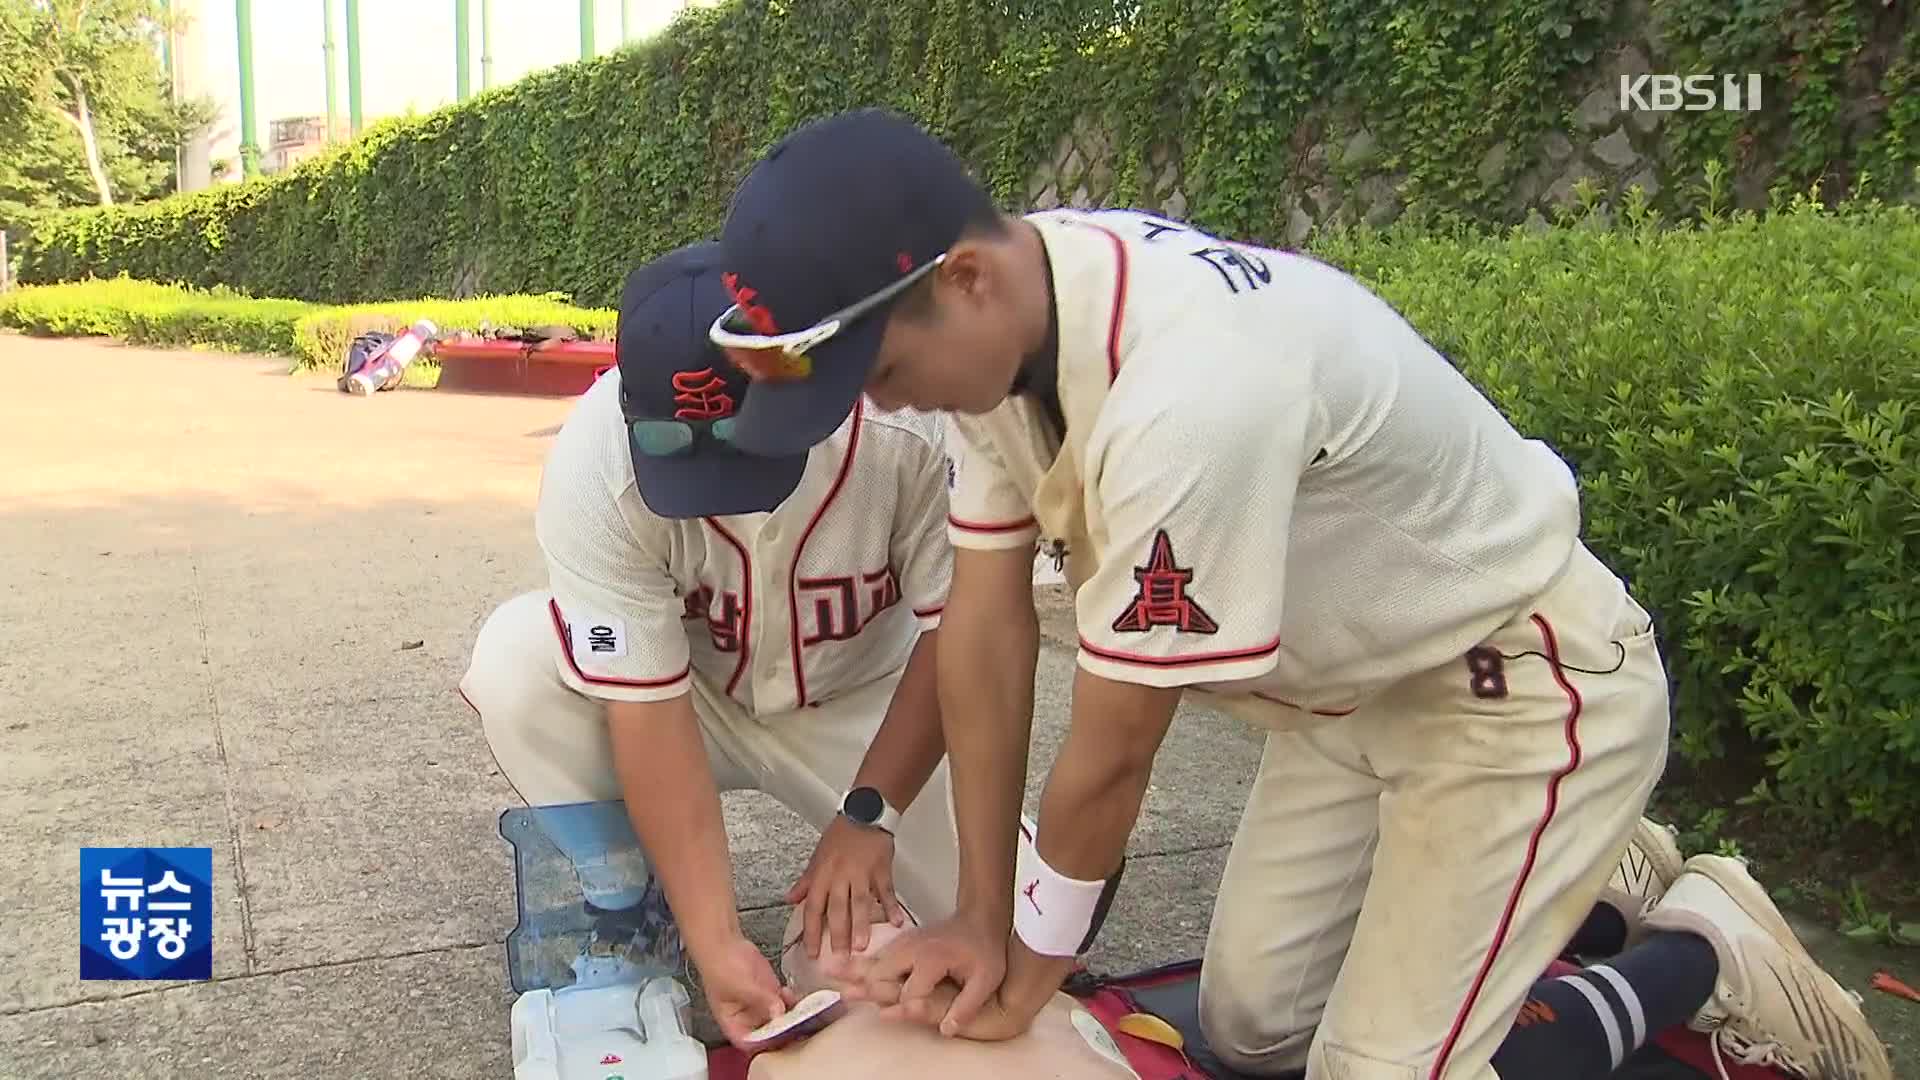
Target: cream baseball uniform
[
  {"x": 1273, "y": 492},
  {"x": 790, "y": 628}
]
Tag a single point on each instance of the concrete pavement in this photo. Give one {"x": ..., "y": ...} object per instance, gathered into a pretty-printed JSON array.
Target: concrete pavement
[{"x": 210, "y": 573}]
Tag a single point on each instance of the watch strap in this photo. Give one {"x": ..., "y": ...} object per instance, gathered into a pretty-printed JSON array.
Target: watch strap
[{"x": 888, "y": 821}]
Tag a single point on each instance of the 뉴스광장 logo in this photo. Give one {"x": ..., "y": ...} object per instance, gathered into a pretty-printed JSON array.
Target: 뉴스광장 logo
[{"x": 146, "y": 913}]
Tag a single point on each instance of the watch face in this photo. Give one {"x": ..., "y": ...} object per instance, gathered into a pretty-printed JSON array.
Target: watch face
[{"x": 864, "y": 805}]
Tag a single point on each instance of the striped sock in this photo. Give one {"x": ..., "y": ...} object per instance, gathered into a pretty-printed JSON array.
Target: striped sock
[
  {"x": 1603, "y": 934},
  {"x": 1585, "y": 1025}
]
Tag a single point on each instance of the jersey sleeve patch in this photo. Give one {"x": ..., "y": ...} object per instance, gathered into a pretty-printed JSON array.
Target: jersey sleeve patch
[
  {"x": 598, "y": 636},
  {"x": 1155, "y": 635},
  {"x": 1162, "y": 598},
  {"x": 1195, "y": 494},
  {"x": 599, "y": 659},
  {"x": 1166, "y": 630}
]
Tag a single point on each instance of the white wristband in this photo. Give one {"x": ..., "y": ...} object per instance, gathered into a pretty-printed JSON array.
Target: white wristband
[{"x": 1052, "y": 913}]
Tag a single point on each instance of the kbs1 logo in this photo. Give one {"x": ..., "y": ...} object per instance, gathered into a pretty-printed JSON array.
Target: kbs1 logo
[
  {"x": 1690, "y": 93},
  {"x": 146, "y": 913}
]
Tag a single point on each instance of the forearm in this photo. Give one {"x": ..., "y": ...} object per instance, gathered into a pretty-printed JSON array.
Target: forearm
[
  {"x": 674, "y": 805},
  {"x": 989, "y": 644},
  {"x": 909, "y": 744},
  {"x": 1092, "y": 800}
]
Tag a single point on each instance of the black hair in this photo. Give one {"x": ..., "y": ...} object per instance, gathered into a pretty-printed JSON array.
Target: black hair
[{"x": 985, "y": 221}]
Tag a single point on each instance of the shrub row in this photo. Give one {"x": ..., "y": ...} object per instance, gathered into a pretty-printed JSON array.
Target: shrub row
[
  {"x": 1740, "y": 400},
  {"x": 312, "y": 335},
  {"x": 148, "y": 313}
]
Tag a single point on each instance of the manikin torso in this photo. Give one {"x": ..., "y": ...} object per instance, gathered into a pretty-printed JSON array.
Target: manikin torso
[{"x": 1066, "y": 1042}]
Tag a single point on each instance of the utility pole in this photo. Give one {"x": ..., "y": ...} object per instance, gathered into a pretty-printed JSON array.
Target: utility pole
[
  {"x": 166, "y": 49},
  {"x": 173, "y": 98},
  {"x": 586, "y": 29},
  {"x": 626, "y": 21},
  {"x": 326, "y": 49},
  {"x": 249, "y": 144},
  {"x": 353, "y": 65},
  {"x": 460, "y": 50},
  {"x": 486, "y": 44}
]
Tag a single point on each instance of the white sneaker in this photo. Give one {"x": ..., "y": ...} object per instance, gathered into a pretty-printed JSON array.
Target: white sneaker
[
  {"x": 1772, "y": 1005},
  {"x": 1647, "y": 869}
]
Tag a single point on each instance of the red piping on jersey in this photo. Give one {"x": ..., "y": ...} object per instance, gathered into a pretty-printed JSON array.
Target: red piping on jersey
[
  {"x": 1552, "y": 648},
  {"x": 793, "y": 575},
  {"x": 928, "y": 613},
  {"x": 746, "y": 603},
  {"x": 1294, "y": 705},
  {"x": 1119, "y": 303},
  {"x": 1182, "y": 661},
  {"x": 566, "y": 648},
  {"x": 989, "y": 527}
]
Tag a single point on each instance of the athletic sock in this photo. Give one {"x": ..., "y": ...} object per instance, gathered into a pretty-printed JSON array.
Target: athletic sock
[
  {"x": 1583, "y": 1026},
  {"x": 1603, "y": 934}
]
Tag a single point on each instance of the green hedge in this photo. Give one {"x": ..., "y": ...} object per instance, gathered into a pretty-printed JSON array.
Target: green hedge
[
  {"x": 147, "y": 313},
  {"x": 1740, "y": 400},
  {"x": 1742, "y": 405},
  {"x": 564, "y": 178},
  {"x": 312, "y": 335}
]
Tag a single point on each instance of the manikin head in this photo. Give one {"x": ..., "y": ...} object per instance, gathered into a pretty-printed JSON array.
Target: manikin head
[{"x": 809, "y": 973}]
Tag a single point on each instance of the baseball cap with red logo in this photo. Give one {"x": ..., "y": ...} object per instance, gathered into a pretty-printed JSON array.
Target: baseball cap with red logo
[
  {"x": 681, "y": 400},
  {"x": 835, "y": 223}
]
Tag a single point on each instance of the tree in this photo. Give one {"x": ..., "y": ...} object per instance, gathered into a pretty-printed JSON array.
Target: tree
[{"x": 86, "y": 114}]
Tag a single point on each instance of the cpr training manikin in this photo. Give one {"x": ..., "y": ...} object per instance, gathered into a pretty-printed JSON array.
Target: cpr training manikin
[{"x": 1066, "y": 1041}]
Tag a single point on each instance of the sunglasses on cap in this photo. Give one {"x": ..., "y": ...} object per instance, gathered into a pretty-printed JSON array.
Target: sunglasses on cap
[
  {"x": 672, "y": 438},
  {"x": 787, "y": 357}
]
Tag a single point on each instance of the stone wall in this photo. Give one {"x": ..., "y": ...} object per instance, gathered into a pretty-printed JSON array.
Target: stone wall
[{"x": 1337, "y": 178}]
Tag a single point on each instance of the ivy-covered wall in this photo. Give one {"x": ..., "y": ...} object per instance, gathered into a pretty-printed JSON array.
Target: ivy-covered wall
[
  {"x": 1512, "y": 125},
  {"x": 1259, "y": 117}
]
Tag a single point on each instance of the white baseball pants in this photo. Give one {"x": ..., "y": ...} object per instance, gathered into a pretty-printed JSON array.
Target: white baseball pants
[
  {"x": 551, "y": 744},
  {"x": 1402, "y": 875}
]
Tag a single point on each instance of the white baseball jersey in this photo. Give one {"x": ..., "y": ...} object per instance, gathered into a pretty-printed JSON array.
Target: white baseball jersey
[
  {"x": 825, "y": 594},
  {"x": 1270, "y": 483}
]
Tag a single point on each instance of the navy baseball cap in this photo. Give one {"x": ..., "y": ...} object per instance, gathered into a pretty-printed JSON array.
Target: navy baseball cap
[
  {"x": 828, "y": 229},
  {"x": 681, "y": 399}
]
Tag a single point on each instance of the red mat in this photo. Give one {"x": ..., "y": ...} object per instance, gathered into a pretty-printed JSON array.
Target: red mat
[{"x": 1153, "y": 1061}]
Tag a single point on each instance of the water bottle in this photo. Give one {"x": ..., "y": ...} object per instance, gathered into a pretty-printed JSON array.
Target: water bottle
[{"x": 384, "y": 369}]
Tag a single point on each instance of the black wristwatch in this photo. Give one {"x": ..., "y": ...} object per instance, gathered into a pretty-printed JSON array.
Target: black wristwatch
[{"x": 866, "y": 806}]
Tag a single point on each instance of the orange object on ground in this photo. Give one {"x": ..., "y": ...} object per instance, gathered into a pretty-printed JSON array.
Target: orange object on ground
[
  {"x": 505, "y": 366},
  {"x": 1887, "y": 984}
]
